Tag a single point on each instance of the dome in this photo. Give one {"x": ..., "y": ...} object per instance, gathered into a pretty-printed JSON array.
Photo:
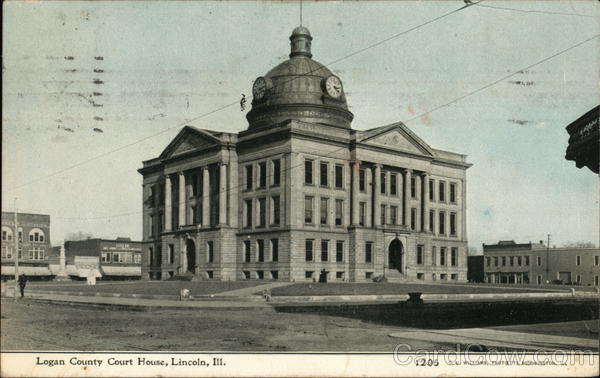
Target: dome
[{"x": 297, "y": 87}]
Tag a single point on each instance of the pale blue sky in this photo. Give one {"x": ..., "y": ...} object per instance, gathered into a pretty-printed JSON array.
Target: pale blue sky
[{"x": 168, "y": 62}]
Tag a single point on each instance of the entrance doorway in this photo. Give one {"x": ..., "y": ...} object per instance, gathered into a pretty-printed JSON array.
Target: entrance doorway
[
  {"x": 395, "y": 255},
  {"x": 191, "y": 255}
]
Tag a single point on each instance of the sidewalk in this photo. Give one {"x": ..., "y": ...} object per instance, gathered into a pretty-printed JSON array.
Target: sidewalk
[
  {"x": 125, "y": 303},
  {"x": 248, "y": 291}
]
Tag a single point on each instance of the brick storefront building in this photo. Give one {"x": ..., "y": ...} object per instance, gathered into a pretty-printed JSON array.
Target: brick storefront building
[
  {"x": 536, "y": 264},
  {"x": 300, "y": 195},
  {"x": 33, "y": 235}
]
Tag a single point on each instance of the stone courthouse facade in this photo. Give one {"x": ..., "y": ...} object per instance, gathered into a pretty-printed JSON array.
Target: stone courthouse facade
[{"x": 300, "y": 195}]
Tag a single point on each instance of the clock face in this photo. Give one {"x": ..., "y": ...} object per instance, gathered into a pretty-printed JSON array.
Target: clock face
[
  {"x": 259, "y": 88},
  {"x": 333, "y": 85}
]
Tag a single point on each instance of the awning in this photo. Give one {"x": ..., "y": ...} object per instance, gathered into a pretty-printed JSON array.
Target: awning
[
  {"x": 72, "y": 270},
  {"x": 26, "y": 270},
  {"x": 122, "y": 270}
]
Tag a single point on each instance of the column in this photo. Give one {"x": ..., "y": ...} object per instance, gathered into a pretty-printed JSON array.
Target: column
[
  {"x": 206, "y": 197},
  {"x": 182, "y": 199},
  {"x": 425, "y": 202},
  {"x": 377, "y": 195},
  {"x": 168, "y": 204},
  {"x": 223, "y": 194},
  {"x": 407, "y": 197},
  {"x": 354, "y": 193}
]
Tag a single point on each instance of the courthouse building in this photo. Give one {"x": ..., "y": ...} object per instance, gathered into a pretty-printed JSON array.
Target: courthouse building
[
  {"x": 300, "y": 195},
  {"x": 535, "y": 263}
]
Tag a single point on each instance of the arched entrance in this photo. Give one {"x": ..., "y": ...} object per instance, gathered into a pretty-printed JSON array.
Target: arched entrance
[
  {"x": 395, "y": 255},
  {"x": 190, "y": 255}
]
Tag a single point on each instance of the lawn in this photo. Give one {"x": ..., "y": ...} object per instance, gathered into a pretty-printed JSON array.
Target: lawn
[
  {"x": 306, "y": 289},
  {"x": 148, "y": 287}
]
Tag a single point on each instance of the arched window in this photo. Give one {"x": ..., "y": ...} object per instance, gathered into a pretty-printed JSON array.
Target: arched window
[
  {"x": 36, "y": 235},
  {"x": 7, "y": 234}
]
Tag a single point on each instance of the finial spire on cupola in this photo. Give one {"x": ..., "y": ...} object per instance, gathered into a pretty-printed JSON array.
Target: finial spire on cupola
[{"x": 300, "y": 42}]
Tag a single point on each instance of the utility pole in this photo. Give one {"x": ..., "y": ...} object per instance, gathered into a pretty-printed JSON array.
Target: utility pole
[
  {"x": 16, "y": 239},
  {"x": 547, "y": 259}
]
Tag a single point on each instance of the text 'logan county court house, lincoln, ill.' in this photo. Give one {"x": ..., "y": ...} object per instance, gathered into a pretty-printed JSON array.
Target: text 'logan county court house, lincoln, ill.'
[{"x": 300, "y": 194}]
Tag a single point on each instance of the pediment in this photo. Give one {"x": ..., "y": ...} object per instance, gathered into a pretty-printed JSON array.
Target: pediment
[
  {"x": 189, "y": 140},
  {"x": 400, "y": 138}
]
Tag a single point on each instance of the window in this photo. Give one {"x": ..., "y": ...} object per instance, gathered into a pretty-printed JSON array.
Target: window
[
  {"x": 495, "y": 261},
  {"x": 247, "y": 250},
  {"x": 339, "y": 276},
  {"x": 454, "y": 256},
  {"x": 442, "y": 194},
  {"x": 503, "y": 260},
  {"x": 433, "y": 255},
  {"x": 362, "y": 211},
  {"x": 6, "y": 234},
  {"x": 413, "y": 219},
  {"x": 262, "y": 178},
  {"x": 452, "y": 224},
  {"x": 36, "y": 235},
  {"x": 442, "y": 221},
  {"x": 137, "y": 258},
  {"x": 368, "y": 275},
  {"x": 339, "y": 251},
  {"x": 339, "y": 176},
  {"x": 383, "y": 217},
  {"x": 324, "y": 250},
  {"x": 383, "y": 183},
  {"x": 210, "y": 251},
  {"x": 308, "y": 172},
  {"x": 519, "y": 261},
  {"x": 262, "y": 212},
  {"x": 539, "y": 260},
  {"x": 324, "y": 210},
  {"x": 194, "y": 179},
  {"x": 413, "y": 187},
  {"x": 324, "y": 170},
  {"x": 248, "y": 209},
  {"x": 596, "y": 260},
  {"x": 308, "y": 274},
  {"x": 578, "y": 280},
  {"x": 539, "y": 279},
  {"x": 526, "y": 260},
  {"x": 362, "y": 186},
  {"x": 274, "y": 250},
  {"x": 596, "y": 281},
  {"x": 393, "y": 184},
  {"x": 248, "y": 177},
  {"x": 308, "y": 246},
  {"x": 151, "y": 254},
  {"x": 275, "y": 274},
  {"x": 432, "y": 221},
  {"x": 246, "y": 274},
  {"x": 339, "y": 212},
  {"x": 170, "y": 254},
  {"x": 488, "y": 261},
  {"x": 578, "y": 260},
  {"x": 454, "y": 277},
  {"x": 452, "y": 192},
  {"x": 420, "y": 276},
  {"x": 275, "y": 210},
  {"x": 276, "y": 166},
  {"x": 105, "y": 257},
  {"x": 260, "y": 246},
  {"x": 420, "y": 254},
  {"x": 512, "y": 260},
  {"x": 394, "y": 215},
  {"x": 368, "y": 252},
  {"x": 431, "y": 190},
  {"x": 308, "y": 209},
  {"x": 443, "y": 256}
]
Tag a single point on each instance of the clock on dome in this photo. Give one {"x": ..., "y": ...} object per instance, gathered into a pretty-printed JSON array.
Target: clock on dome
[
  {"x": 259, "y": 88},
  {"x": 333, "y": 86}
]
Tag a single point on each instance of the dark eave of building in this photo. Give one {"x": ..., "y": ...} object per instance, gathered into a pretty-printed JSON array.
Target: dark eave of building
[{"x": 584, "y": 140}]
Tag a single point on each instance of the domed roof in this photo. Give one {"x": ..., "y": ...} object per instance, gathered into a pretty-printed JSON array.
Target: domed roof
[{"x": 299, "y": 82}]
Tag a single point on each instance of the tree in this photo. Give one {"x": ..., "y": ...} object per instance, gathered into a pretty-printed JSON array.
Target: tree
[{"x": 74, "y": 236}]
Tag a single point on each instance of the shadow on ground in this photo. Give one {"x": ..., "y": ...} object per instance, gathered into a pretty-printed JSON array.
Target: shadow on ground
[{"x": 458, "y": 315}]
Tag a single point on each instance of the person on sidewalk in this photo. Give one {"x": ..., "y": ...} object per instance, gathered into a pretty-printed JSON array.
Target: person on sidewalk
[{"x": 22, "y": 282}]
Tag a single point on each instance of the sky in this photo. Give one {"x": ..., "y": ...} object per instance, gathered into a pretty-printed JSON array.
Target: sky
[{"x": 91, "y": 89}]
